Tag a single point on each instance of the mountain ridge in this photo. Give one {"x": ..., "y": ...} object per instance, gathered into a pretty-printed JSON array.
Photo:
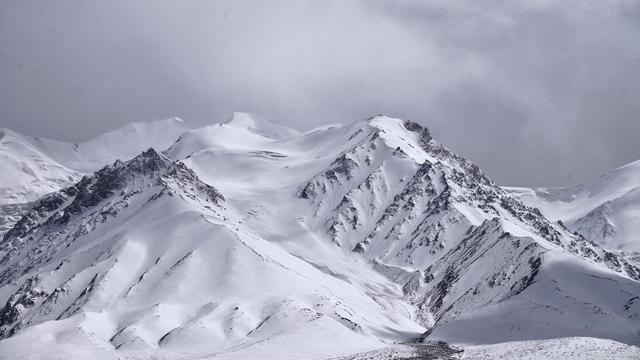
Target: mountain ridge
[{"x": 236, "y": 242}]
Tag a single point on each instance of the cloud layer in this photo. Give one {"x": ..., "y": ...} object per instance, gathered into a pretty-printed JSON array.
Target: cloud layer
[{"x": 537, "y": 93}]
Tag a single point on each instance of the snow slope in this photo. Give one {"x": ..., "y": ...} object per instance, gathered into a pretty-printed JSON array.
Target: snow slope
[
  {"x": 605, "y": 209},
  {"x": 560, "y": 349},
  {"x": 28, "y": 172},
  {"x": 245, "y": 239},
  {"x": 34, "y": 166}
]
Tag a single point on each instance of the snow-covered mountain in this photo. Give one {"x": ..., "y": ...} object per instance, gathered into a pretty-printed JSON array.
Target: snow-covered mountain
[
  {"x": 605, "y": 209},
  {"x": 246, "y": 239},
  {"x": 33, "y": 167}
]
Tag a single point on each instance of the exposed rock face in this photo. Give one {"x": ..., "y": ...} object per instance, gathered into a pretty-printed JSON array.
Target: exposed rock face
[
  {"x": 424, "y": 138},
  {"x": 10, "y": 214},
  {"x": 26, "y": 296}
]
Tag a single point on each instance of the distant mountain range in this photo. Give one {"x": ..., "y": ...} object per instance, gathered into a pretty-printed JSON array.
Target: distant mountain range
[{"x": 605, "y": 209}]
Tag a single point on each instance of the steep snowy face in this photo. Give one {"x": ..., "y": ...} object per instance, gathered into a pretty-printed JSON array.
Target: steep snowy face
[
  {"x": 604, "y": 210},
  {"x": 375, "y": 189}
]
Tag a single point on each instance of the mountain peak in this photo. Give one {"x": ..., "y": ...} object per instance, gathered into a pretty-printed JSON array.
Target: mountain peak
[
  {"x": 152, "y": 154},
  {"x": 402, "y": 127},
  {"x": 113, "y": 187},
  {"x": 261, "y": 126},
  {"x": 148, "y": 161},
  {"x": 412, "y": 138}
]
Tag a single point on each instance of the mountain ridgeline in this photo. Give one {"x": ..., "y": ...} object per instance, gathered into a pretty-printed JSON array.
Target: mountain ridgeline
[{"x": 246, "y": 237}]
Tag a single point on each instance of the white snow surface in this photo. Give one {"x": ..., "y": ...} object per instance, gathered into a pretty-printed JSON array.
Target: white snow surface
[
  {"x": 554, "y": 349},
  {"x": 249, "y": 240}
]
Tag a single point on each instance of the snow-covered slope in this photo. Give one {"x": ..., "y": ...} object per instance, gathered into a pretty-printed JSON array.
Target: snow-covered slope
[
  {"x": 123, "y": 143},
  {"x": 605, "y": 209},
  {"x": 33, "y": 166},
  {"x": 246, "y": 239},
  {"x": 28, "y": 172},
  {"x": 261, "y": 126}
]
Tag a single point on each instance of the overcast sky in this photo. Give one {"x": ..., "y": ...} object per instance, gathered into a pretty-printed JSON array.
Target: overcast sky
[{"x": 539, "y": 93}]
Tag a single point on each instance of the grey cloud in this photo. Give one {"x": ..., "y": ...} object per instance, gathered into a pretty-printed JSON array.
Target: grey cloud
[{"x": 538, "y": 93}]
